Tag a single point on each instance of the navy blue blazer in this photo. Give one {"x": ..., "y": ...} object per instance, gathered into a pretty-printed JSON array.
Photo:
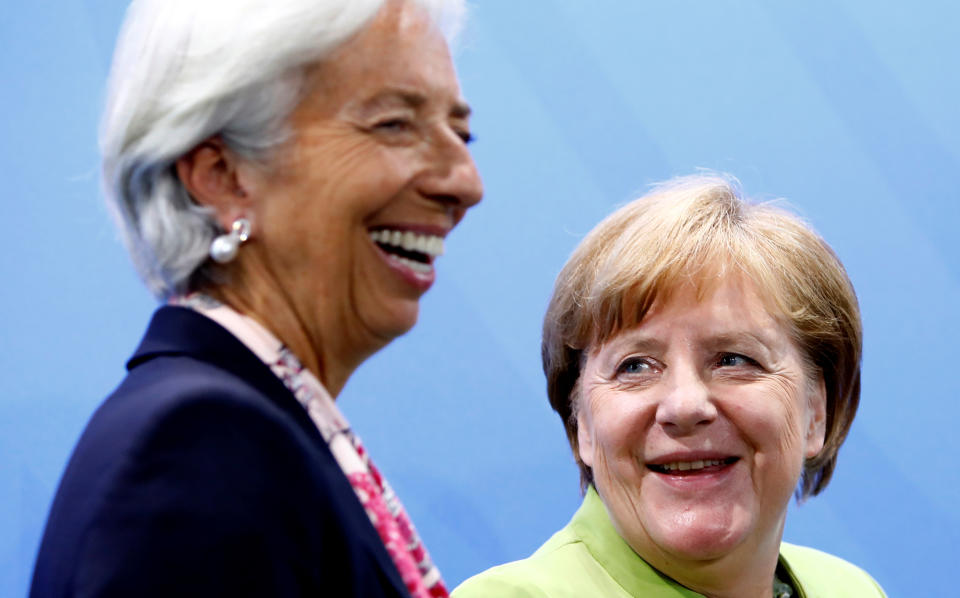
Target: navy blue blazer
[{"x": 202, "y": 475}]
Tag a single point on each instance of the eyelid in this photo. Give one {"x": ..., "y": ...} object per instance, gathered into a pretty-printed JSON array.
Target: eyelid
[
  {"x": 461, "y": 128},
  {"x": 392, "y": 120},
  {"x": 632, "y": 359},
  {"x": 387, "y": 113},
  {"x": 750, "y": 360}
]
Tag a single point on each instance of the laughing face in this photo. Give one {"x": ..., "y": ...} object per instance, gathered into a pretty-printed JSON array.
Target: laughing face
[
  {"x": 696, "y": 424},
  {"x": 350, "y": 215}
]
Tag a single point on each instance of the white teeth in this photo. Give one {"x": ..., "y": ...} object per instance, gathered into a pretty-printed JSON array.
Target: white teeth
[
  {"x": 415, "y": 265},
  {"x": 431, "y": 245},
  {"x": 690, "y": 465},
  {"x": 421, "y": 243}
]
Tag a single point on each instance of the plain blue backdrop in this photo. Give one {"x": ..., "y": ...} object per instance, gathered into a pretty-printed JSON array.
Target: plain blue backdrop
[{"x": 846, "y": 108}]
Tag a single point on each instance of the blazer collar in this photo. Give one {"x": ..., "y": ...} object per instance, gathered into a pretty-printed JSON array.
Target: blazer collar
[
  {"x": 592, "y": 524},
  {"x": 175, "y": 330}
]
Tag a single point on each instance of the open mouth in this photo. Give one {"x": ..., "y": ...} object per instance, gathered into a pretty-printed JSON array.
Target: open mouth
[
  {"x": 692, "y": 467},
  {"x": 414, "y": 250}
]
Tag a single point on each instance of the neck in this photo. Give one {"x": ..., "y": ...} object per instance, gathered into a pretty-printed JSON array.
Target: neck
[{"x": 322, "y": 347}]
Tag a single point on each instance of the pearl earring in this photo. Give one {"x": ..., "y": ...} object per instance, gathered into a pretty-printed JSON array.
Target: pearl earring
[{"x": 224, "y": 248}]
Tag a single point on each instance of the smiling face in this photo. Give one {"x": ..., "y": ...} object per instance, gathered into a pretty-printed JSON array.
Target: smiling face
[
  {"x": 348, "y": 217},
  {"x": 696, "y": 424}
]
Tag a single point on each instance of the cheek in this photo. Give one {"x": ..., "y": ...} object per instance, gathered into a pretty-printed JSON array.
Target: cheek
[
  {"x": 791, "y": 413},
  {"x": 337, "y": 164},
  {"x": 619, "y": 427},
  {"x": 772, "y": 422}
]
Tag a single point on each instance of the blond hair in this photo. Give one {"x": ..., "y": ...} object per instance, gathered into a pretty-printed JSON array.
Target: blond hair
[{"x": 698, "y": 229}]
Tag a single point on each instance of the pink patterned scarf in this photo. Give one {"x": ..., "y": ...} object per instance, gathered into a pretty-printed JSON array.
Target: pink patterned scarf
[{"x": 383, "y": 507}]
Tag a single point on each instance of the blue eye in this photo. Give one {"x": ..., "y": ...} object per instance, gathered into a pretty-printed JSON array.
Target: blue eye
[
  {"x": 733, "y": 360},
  {"x": 634, "y": 366}
]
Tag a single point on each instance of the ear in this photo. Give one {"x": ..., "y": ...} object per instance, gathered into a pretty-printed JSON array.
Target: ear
[
  {"x": 209, "y": 172},
  {"x": 816, "y": 417},
  {"x": 584, "y": 435}
]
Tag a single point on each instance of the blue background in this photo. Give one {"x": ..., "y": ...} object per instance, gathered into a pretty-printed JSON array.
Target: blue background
[{"x": 847, "y": 108}]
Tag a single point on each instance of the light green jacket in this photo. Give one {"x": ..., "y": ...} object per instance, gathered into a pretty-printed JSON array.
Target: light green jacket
[{"x": 588, "y": 558}]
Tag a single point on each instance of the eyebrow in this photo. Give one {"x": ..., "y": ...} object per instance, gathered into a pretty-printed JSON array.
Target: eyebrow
[
  {"x": 644, "y": 343},
  {"x": 635, "y": 342},
  {"x": 411, "y": 99},
  {"x": 461, "y": 110},
  {"x": 740, "y": 338},
  {"x": 736, "y": 336}
]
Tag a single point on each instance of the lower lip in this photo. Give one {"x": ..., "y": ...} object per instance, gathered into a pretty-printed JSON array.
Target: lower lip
[
  {"x": 705, "y": 478},
  {"x": 419, "y": 280}
]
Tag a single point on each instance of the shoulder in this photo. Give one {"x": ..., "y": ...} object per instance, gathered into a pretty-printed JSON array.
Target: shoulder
[
  {"x": 181, "y": 436},
  {"x": 189, "y": 474},
  {"x": 172, "y": 406},
  {"x": 823, "y": 575},
  {"x": 179, "y": 422},
  {"x": 563, "y": 567},
  {"x": 539, "y": 576}
]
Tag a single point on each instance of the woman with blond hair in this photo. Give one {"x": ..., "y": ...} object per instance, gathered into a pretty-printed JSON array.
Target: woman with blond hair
[{"x": 703, "y": 353}]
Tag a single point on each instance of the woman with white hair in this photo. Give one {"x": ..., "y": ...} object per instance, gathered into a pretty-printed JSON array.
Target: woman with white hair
[{"x": 284, "y": 174}]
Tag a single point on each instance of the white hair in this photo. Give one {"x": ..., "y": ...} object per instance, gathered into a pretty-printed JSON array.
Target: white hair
[{"x": 187, "y": 70}]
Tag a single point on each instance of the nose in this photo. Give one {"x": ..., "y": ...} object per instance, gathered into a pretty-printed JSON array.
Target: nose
[
  {"x": 687, "y": 404},
  {"x": 452, "y": 179}
]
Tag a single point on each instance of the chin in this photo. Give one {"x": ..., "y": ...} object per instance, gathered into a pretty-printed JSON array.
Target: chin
[
  {"x": 402, "y": 318},
  {"x": 701, "y": 546},
  {"x": 704, "y": 537}
]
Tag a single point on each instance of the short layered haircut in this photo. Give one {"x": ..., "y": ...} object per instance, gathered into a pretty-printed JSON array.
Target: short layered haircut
[
  {"x": 188, "y": 70},
  {"x": 698, "y": 230}
]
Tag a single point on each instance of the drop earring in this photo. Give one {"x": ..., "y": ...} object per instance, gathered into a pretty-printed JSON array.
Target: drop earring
[{"x": 224, "y": 248}]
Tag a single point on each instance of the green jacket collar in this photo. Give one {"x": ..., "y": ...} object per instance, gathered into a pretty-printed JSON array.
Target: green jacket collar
[{"x": 592, "y": 524}]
